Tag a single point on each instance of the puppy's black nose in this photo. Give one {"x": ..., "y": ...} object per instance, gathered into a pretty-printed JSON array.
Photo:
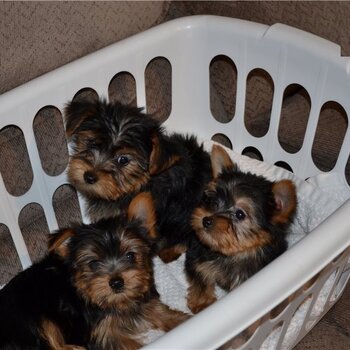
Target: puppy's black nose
[
  {"x": 116, "y": 284},
  {"x": 207, "y": 221},
  {"x": 89, "y": 177}
]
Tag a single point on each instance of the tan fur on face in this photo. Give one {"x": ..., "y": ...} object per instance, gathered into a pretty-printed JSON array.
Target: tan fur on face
[
  {"x": 109, "y": 185},
  {"x": 98, "y": 291},
  {"x": 95, "y": 287},
  {"x": 229, "y": 237},
  {"x": 137, "y": 246}
]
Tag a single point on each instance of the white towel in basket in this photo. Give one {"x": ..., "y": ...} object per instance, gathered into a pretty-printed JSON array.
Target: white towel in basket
[{"x": 317, "y": 197}]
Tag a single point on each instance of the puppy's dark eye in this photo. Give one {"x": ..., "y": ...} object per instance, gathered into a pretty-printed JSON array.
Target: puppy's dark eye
[
  {"x": 123, "y": 159},
  {"x": 130, "y": 256},
  {"x": 93, "y": 264},
  {"x": 240, "y": 214}
]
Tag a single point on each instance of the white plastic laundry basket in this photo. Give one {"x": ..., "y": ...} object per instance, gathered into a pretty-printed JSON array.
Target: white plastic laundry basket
[{"x": 189, "y": 44}]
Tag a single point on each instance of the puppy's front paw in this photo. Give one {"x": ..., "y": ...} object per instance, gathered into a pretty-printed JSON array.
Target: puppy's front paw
[
  {"x": 171, "y": 254},
  {"x": 199, "y": 299}
]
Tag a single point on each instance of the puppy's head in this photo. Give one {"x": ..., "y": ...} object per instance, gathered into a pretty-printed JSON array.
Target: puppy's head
[
  {"x": 241, "y": 212},
  {"x": 110, "y": 260},
  {"x": 115, "y": 148}
]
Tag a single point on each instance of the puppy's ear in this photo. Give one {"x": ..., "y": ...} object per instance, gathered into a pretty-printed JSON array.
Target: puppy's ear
[
  {"x": 285, "y": 202},
  {"x": 58, "y": 242},
  {"x": 76, "y": 112},
  {"x": 142, "y": 208},
  {"x": 220, "y": 161},
  {"x": 163, "y": 155}
]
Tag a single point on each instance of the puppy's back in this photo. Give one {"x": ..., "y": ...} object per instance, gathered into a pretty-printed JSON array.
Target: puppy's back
[
  {"x": 41, "y": 292},
  {"x": 178, "y": 190}
]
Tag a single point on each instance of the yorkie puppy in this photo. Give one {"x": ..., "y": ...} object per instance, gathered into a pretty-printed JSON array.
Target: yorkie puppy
[
  {"x": 118, "y": 151},
  {"x": 94, "y": 289},
  {"x": 240, "y": 227}
]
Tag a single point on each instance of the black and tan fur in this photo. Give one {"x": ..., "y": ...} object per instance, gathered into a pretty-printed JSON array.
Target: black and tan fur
[
  {"x": 118, "y": 151},
  {"x": 94, "y": 289},
  {"x": 240, "y": 227}
]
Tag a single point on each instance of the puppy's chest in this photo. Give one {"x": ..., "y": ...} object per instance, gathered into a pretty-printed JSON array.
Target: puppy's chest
[
  {"x": 227, "y": 273},
  {"x": 100, "y": 209},
  {"x": 114, "y": 328}
]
